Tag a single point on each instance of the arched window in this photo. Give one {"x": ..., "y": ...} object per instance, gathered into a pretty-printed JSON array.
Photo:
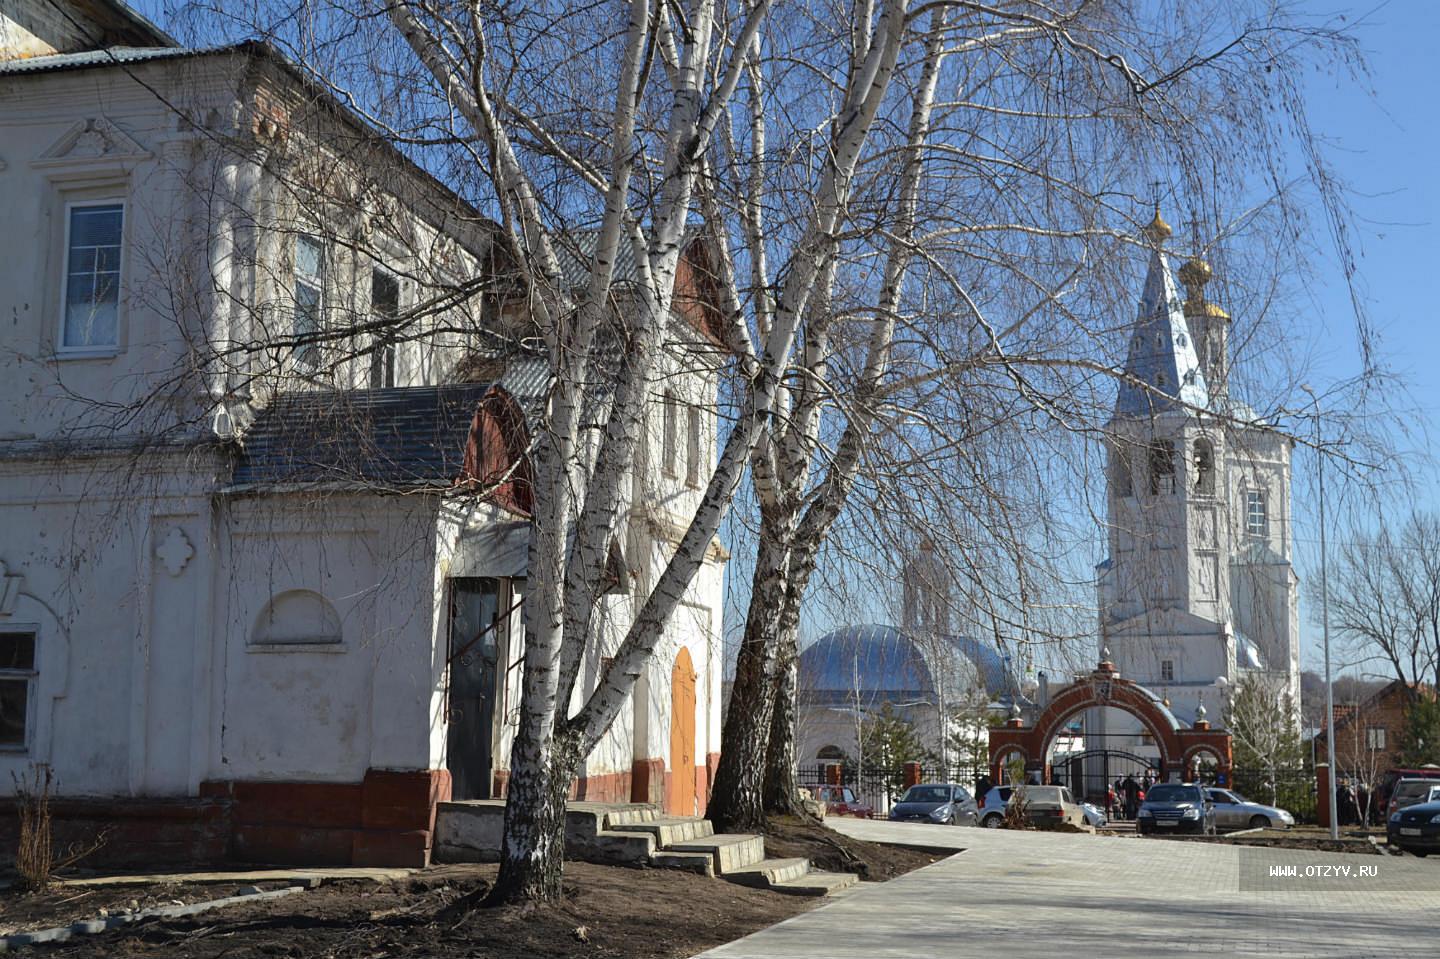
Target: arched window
[
  {"x": 1204, "y": 466},
  {"x": 1162, "y": 467},
  {"x": 830, "y": 754},
  {"x": 298, "y": 617}
]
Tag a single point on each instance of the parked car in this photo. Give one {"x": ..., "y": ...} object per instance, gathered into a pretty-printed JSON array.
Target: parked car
[
  {"x": 1416, "y": 828},
  {"x": 842, "y": 801},
  {"x": 1234, "y": 811},
  {"x": 1176, "y": 807},
  {"x": 945, "y": 803},
  {"x": 1094, "y": 815},
  {"x": 994, "y": 803},
  {"x": 1409, "y": 792},
  {"x": 1052, "y": 806},
  {"x": 992, "y": 806},
  {"x": 1386, "y": 786}
]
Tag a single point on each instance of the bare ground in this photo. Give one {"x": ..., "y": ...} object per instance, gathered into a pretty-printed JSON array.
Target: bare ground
[{"x": 791, "y": 837}]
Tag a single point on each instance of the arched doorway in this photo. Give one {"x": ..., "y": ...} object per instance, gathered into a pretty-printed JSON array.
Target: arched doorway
[{"x": 680, "y": 798}]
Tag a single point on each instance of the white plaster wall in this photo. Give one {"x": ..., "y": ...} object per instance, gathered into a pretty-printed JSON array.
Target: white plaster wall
[
  {"x": 117, "y": 626},
  {"x": 327, "y": 712}
]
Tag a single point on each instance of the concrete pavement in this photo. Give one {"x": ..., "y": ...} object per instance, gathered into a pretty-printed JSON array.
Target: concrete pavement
[{"x": 1023, "y": 894}]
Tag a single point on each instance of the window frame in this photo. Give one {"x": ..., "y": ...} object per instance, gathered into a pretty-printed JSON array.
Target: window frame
[
  {"x": 1252, "y": 497},
  {"x": 384, "y": 356},
  {"x": 31, "y": 679},
  {"x": 670, "y": 435},
  {"x": 693, "y": 445},
  {"x": 108, "y": 349},
  {"x": 307, "y": 356},
  {"x": 1375, "y": 738},
  {"x": 1167, "y": 670}
]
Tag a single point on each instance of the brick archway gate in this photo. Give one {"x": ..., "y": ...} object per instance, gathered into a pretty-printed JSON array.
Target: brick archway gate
[{"x": 1179, "y": 746}]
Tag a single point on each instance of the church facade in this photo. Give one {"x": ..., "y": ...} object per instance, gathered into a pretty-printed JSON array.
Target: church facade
[{"x": 1198, "y": 589}]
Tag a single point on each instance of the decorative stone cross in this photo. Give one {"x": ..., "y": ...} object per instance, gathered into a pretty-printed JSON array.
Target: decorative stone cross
[{"x": 175, "y": 551}]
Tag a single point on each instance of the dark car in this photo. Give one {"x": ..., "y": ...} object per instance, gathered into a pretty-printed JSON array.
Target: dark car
[
  {"x": 1416, "y": 828},
  {"x": 1176, "y": 807},
  {"x": 936, "y": 802},
  {"x": 841, "y": 801},
  {"x": 1385, "y": 789}
]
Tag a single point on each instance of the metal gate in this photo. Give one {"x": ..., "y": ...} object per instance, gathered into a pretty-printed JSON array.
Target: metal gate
[{"x": 1087, "y": 773}]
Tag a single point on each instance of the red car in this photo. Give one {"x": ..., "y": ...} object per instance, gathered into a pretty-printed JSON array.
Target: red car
[{"x": 842, "y": 801}]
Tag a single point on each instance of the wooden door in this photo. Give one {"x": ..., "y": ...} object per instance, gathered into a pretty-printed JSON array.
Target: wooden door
[{"x": 681, "y": 794}]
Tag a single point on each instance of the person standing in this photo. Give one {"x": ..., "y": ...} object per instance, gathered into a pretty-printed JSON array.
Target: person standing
[{"x": 1132, "y": 797}]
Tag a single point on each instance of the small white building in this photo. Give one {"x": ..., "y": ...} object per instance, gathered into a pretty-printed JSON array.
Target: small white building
[{"x": 255, "y": 602}]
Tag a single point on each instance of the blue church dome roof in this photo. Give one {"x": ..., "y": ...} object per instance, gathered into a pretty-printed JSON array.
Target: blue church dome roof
[{"x": 885, "y": 663}]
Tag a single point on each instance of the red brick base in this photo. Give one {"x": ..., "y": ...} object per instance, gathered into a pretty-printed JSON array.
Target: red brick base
[{"x": 386, "y": 820}]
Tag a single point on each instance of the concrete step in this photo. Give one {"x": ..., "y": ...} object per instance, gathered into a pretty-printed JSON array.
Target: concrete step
[
  {"x": 701, "y": 863},
  {"x": 669, "y": 831},
  {"x": 767, "y": 872},
  {"x": 730, "y": 850},
  {"x": 815, "y": 883},
  {"x": 471, "y": 830},
  {"x": 631, "y": 814}
]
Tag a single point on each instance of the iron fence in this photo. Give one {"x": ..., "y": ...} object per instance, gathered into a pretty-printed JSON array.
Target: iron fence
[
  {"x": 1291, "y": 789},
  {"x": 879, "y": 786}
]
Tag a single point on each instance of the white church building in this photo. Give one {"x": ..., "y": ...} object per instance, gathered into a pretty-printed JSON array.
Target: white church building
[
  {"x": 1198, "y": 588},
  {"x": 253, "y": 604}
]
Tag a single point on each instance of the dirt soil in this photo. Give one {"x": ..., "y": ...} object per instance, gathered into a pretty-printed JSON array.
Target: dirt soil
[
  {"x": 608, "y": 911},
  {"x": 789, "y": 837},
  {"x": 62, "y": 905}
]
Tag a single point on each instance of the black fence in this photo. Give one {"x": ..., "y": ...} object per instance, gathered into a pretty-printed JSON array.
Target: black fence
[
  {"x": 881, "y": 786},
  {"x": 1291, "y": 789}
]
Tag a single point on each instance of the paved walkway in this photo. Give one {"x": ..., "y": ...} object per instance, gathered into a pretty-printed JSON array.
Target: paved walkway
[{"x": 1014, "y": 894}]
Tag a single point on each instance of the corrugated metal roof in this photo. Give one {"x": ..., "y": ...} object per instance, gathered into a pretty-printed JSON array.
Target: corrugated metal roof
[
  {"x": 399, "y": 438},
  {"x": 109, "y": 56}
]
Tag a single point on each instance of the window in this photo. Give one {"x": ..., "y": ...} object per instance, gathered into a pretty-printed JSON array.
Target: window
[
  {"x": 830, "y": 754},
  {"x": 1374, "y": 737},
  {"x": 91, "y": 307},
  {"x": 1204, "y": 467},
  {"x": 1255, "y": 518},
  {"x": 299, "y": 617},
  {"x": 1167, "y": 670},
  {"x": 1120, "y": 476},
  {"x": 692, "y": 458},
  {"x": 309, "y": 298},
  {"x": 384, "y": 305},
  {"x": 17, "y": 688},
  {"x": 1162, "y": 467},
  {"x": 669, "y": 438}
]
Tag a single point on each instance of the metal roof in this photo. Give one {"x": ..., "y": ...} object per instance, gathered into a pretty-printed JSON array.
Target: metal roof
[
  {"x": 884, "y": 663},
  {"x": 109, "y": 56},
  {"x": 398, "y": 438},
  {"x": 1161, "y": 354}
]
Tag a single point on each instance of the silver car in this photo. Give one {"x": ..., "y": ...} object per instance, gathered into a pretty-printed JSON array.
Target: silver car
[{"x": 1234, "y": 811}]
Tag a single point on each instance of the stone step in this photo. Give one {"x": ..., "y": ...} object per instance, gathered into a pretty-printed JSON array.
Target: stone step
[
  {"x": 815, "y": 883},
  {"x": 767, "y": 872},
  {"x": 471, "y": 830},
  {"x": 669, "y": 831},
  {"x": 730, "y": 850},
  {"x": 631, "y": 814},
  {"x": 701, "y": 863}
]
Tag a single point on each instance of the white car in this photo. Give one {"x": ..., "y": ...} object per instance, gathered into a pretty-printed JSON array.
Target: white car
[
  {"x": 1234, "y": 811},
  {"x": 993, "y": 803}
]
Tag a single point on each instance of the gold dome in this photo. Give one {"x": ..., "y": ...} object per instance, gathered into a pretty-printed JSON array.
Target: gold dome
[
  {"x": 1194, "y": 274},
  {"x": 1157, "y": 231}
]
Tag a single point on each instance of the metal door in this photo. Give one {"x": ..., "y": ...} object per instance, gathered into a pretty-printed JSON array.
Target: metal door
[{"x": 476, "y": 635}]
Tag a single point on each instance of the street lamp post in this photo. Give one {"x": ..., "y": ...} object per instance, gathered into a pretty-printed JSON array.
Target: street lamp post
[{"x": 1325, "y": 627}]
